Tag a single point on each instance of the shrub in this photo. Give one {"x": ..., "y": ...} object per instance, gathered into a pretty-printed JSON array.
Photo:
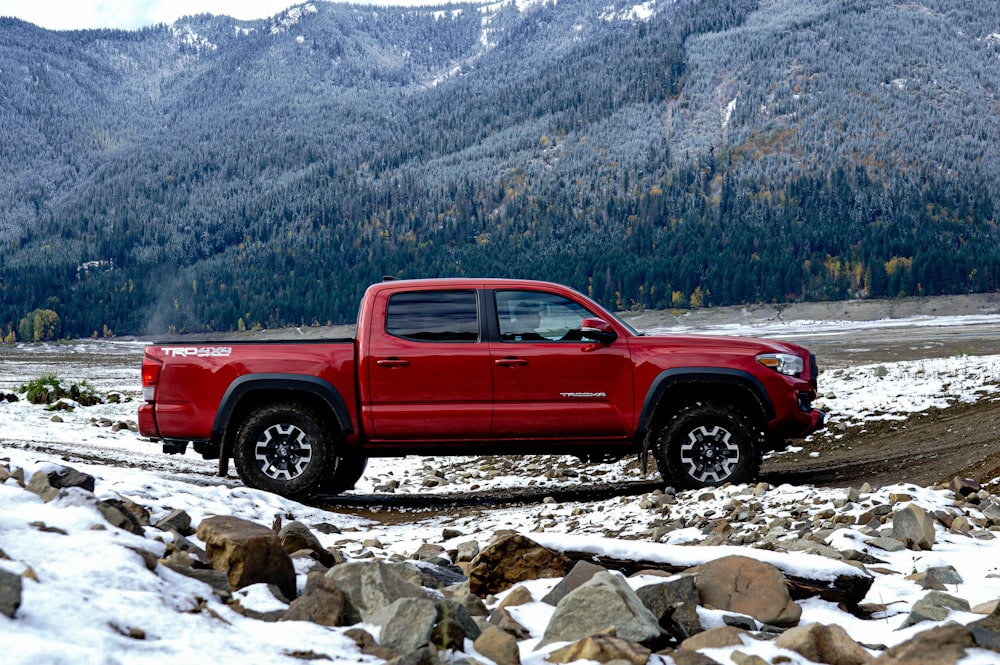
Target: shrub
[{"x": 49, "y": 389}]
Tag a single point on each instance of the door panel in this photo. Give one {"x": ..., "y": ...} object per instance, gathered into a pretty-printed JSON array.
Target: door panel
[{"x": 549, "y": 383}]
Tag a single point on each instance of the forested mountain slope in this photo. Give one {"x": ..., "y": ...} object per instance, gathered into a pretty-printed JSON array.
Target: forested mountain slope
[{"x": 216, "y": 173}]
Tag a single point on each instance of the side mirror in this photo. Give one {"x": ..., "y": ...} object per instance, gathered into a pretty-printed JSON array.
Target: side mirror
[{"x": 598, "y": 330}]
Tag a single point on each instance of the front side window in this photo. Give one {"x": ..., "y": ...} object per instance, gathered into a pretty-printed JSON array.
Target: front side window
[
  {"x": 527, "y": 316},
  {"x": 434, "y": 316}
]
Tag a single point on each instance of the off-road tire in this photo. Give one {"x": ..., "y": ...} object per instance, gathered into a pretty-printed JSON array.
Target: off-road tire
[
  {"x": 285, "y": 448},
  {"x": 707, "y": 445},
  {"x": 349, "y": 470}
]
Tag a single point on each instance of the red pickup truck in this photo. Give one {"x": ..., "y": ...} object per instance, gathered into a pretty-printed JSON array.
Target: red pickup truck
[{"x": 478, "y": 367}]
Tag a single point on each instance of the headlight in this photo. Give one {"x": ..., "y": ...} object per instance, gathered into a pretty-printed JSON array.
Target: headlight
[{"x": 783, "y": 363}]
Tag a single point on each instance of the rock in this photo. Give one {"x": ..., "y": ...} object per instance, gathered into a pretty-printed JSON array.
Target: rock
[
  {"x": 175, "y": 520},
  {"x": 944, "y": 645},
  {"x": 986, "y": 631},
  {"x": 519, "y": 595},
  {"x": 406, "y": 623},
  {"x": 991, "y": 510},
  {"x": 603, "y": 649},
  {"x": 502, "y": 619},
  {"x": 716, "y": 638},
  {"x": 373, "y": 585},
  {"x": 685, "y": 657},
  {"x": 499, "y": 646},
  {"x": 40, "y": 485},
  {"x": 438, "y": 576},
  {"x": 216, "y": 579},
  {"x": 472, "y": 603},
  {"x": 467, "y": 551},
  {"x": 887, "y": 544},
  {"x": 453, "y": 613},
  {"x": 964, "y": 486},
  {"x": 511, "y": 559},
  {"x": 824, "y": 644},
  {"x": 429, "y": 552},
  {"x": 747, "y": 586},
  {"x": 606, "y": 601},
  {"x": 741, "y": 658},
  {"x": 935, "y": 606},
  {"x": 248, "y": 553},
  {"x": 913, "y": 526},
  {"x": 321, "y": 602},
  {"x": 363, "y": 639},
  {"x": 937, "y": 578},
  {"x": 674, "y": 603},
  {"x": 117, "y": 513},
  {"x": 989, "y": 607},
  {"x": 423, "y": 656},
  {"x": 10, "y": 593},
  {"x": 296, "y": 536},
  {"x": 67, "y": 477},
  {"x": 581, "y": 572}
]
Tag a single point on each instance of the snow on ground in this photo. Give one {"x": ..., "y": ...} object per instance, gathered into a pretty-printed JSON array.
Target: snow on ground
[{"x": 89, "y": 598}]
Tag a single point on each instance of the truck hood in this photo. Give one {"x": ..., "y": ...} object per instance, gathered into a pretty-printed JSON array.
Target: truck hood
[{"x": 728, "y": 345}]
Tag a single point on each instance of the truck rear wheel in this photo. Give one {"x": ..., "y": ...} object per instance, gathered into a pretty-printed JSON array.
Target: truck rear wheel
[
  {"x": 284, "y": 448},
  {"x": 707, "y": 445}
]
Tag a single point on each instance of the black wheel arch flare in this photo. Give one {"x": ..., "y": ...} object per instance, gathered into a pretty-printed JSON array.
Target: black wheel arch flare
[
  {"x": 679, "y": 378},
  {"x": 277, "y": 387}
]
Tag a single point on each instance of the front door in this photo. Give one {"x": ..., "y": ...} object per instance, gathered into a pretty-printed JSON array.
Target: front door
[{"x": 548, "y": 381}]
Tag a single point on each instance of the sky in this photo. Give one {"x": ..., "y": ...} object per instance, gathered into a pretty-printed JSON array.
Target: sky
[{"x": 132, "y": 14}]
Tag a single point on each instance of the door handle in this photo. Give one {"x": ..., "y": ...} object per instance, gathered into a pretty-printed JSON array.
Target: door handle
[
  {"x": 392, "y": 363},
  {"x": 510, "y": 362}
]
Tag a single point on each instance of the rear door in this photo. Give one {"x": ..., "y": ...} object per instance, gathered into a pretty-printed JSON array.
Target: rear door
[
  {"x": 429, "y": 371},
  {"x": 548, "y": 381}
]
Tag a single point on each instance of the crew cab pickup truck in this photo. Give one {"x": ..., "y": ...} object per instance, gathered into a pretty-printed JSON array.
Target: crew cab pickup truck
[{"x": 478, "y": 367}]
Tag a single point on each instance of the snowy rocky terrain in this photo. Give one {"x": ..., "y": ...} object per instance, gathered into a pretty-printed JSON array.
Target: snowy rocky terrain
[{"x": 144, "y": 558}]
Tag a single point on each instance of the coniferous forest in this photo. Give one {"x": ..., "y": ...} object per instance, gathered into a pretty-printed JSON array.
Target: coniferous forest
[{"x": 216, "y": 174}]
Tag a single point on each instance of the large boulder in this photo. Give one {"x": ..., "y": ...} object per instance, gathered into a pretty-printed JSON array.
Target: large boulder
[
  {"x": 406, "y": 624},
  {"x": 913, "y": 526},
  {"x": 748, "y": 586},
  {"x": 373, "y": 585},
  {"x": 512, "y": 559},
  {"x": 944, "y": 645},
  {"x": 935, "y": 606},
  {"x": 248, "y": 553},
  {"x": 321, "y": 602},
  {"x": 605, "y": 602},
  {"x": 499, "y": 646},
  {"x": 674, "y": 602},
  {"x": 824, "y": 644},
  {"x": 602, "y": 649}
]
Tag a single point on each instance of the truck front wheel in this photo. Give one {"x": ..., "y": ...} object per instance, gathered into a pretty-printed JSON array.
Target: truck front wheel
[
  {"x": 349, "y": 470},
  {"x": 707, "y": 445},
  {"x": 285, "y": 449}
]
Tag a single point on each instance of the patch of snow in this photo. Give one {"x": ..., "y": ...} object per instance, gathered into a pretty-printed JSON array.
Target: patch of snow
[
  {"x": 186, "y": 35},
  {"x": 727, "y": 114},
  {"x": 290, "y": 17}
]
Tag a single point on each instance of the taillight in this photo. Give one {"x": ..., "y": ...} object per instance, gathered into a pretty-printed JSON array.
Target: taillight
[{"x": 150, "y": 375}]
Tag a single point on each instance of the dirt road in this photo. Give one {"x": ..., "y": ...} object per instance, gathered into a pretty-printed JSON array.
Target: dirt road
[{"x": 935, "y": 446}]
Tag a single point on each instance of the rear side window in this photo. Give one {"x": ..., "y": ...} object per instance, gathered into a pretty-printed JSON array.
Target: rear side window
[{"x": 434, "y": 316}]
